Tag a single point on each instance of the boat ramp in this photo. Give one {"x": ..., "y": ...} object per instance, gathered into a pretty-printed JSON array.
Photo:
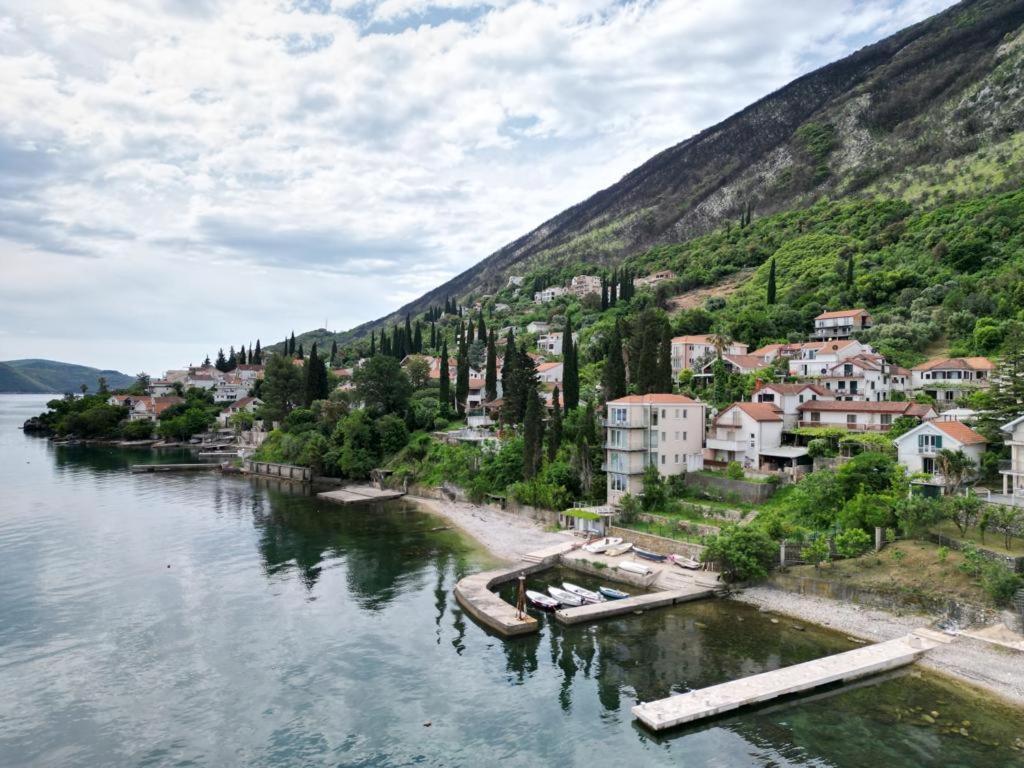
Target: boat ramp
[{"x": 360, "y": 494}]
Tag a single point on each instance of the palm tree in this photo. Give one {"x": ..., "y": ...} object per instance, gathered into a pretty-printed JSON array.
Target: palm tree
[
  {"x": 955, "y": 467},
  {"x": 721, "y": 341}
]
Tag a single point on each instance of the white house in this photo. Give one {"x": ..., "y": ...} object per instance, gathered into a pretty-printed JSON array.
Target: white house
[
  {"x": 689, "y": 351},
  {"x": 841, "y": 324},
  {"x": 582, "y": 285},
  {"x": 244, "y": 405},
  {"x": 549, "y": 294},
  {"x": 1013, "y": 475},
  {"x": 144, "y": 407},
  {"x": 917, "y": 449},
  {"x": 947, "y": 379},
  {"x": 859, "y": 415},
  {"x": 788, "y": 397},
  {"x": 742, "y": 431},
  {"x": 230, "y": 390},
  {"x": 550, "y": 373},
  {"x": 538, "y": 327},
  {"x": 551, "y": 343},
  {"x": 733, "y": 364},
  {"x": 861, "y": 377},
  {"x": 816, "y": 358},
  {"x": 663, "y": 430}
]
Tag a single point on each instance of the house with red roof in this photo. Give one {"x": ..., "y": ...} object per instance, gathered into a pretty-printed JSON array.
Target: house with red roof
[
  {"x": 744, "y": 432},
  {"x": 663, "y": 430},
  {"x": 689, "y": 352},
  {"x": 788, "y": 397},
  {"x": 860, "y": 416},
  {"x": 841, "y": 324},
  {"x": 918, "y": 449},
  {"x": 947, "y": 379}
]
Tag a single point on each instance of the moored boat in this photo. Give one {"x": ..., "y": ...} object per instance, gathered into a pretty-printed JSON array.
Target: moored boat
[
  {"x": 684, "y": 562},
  {"x": 565, "y": 598},
  {"x": 619, "y": 549},
  {"x": 596, "y": 547},
  {"x": 613, "y": 594},
  {"x": 633, "y": 567},
  {"x": 587, "y": 595},
  {"x": 542, "y": 601},
  {"x": 646, "y": 554}
]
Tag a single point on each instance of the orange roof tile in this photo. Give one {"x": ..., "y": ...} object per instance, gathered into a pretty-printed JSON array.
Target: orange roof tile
[
  {"x": 960, "y": 432},
  {"x": 654, "y": 399},
  {"x": 841, "y": 313}
]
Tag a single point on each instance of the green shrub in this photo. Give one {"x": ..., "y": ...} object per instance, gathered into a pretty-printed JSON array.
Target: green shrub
[
  {"x": 817, "y": 552},
  {"x": 734, "y": 471},
  {"x": 853, "y": 542},
  {"x": 999, "y": 582},
  {"x": 743, "y": 554},
  {"x": 137, "y": 430}
]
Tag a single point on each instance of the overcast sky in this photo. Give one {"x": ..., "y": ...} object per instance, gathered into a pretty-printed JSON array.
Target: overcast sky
[{"x": 179, "y": 175}]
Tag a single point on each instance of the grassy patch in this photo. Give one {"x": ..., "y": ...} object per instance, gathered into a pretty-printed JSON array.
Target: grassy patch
[{"x": 993, "y": 541}]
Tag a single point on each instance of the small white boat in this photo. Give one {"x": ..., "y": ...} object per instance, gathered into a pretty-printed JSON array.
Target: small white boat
[
  {"x": 542, "y": 601},
  {"x": 633, "y": 567},
  {"x": 618, "y": 549},
  {"x": 565, "y": 598},
  {"x": 596, "y": 547},
  {"x": 587, "y": 595},
  {"x": 684, "y": 562},
  {"x": 613, "y": 594}
]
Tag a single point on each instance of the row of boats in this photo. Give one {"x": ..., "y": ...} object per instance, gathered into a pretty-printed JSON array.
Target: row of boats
[
  {"x": 571, "y": 595},
  {"x": 613, "y": 546}
]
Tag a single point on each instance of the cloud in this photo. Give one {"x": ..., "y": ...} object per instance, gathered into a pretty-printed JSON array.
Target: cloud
[{"x": 342, "y": 156}]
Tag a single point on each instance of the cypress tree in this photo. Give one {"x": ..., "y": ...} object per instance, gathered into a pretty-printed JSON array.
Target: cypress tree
[
  {"x": 491, "y": 372},
  {"x": 291, "y": 344},
  {"x": 532, "y": 437},
  {"x": 334, "y": 351},
  {"x": 570, "y": 368},
  {"x": 462, "y": 377},
  {"x": 206, "y": 362},
  {"x": 481, "y": 331},
  {"x": 300, "y": 354},
  {"x": 232, "y": 360},
  {"x": 433, "y": 336},
  {"x": 222, "y": 362},
  {"x": 470, "y": 332},
  {"x": 525, "y": 383},
  {"x": 508, "y": 377},
  {"x": 614, "y": 368},
  {"x": 408, "y": 336},
  {"x": 665, "y": 359},
  {"x": 771, "y": 282},
  {"x": 310, "y": 378},
  {"x": 555, "y": 431},
  {"x": 417, "y": 339},
  {"x": 373, "y": 343},
  {"x": 849, "y": 271},
  {"x": 604, "y": 293},
  {"x": 242, "y": 358},
  {"x": 259, "y": 354},
  {"x": 612, "y": 295},
  {"x": 445, "y": 397}
]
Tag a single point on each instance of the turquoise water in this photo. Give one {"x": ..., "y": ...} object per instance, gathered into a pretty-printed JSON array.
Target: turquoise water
[{"x": 207, "y": 620}]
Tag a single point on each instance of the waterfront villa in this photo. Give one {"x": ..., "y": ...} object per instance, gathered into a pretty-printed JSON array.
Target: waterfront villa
[
  {"x": 841, "y": 324},
  {"x": 859, "y": 416},
  {"x": 688, "y": 351},
  {"x": 788, "y": 397},
  {"x": 947, "y": 379},
  {"x": 245, "y": 405},
  {"x": 918, "y": 449},
  {"x": 1013, "y": 471},
  {"x": 741, "y": 431},
  {"x": 663, "y": 430},
  {"x": 144, "y": 407}
]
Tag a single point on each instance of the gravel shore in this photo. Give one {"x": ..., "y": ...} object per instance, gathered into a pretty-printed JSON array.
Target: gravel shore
[
  {"x": 507, "y": 537},
  {"x": 997, "y": 670}
]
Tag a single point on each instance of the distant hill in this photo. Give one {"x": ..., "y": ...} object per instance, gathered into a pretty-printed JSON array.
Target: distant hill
[
  {"x": 45, "y": 376},
  {"x": 931, "y": 111}
]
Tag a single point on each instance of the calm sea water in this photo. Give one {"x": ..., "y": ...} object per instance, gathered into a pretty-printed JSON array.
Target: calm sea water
[{"x": 200, "y": 620}]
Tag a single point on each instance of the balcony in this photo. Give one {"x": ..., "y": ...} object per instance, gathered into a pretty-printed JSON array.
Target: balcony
[
  {"x": 626, "y": 449},
  {"x": 736, "y": 446},
  {"x": 851, "y": 427},
  {"x": 608, "y": 423}
]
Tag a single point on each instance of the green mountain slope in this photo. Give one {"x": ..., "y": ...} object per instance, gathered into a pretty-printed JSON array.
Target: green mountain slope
[
  {"x": 928, "y": 115},
  {"x": 45, "y": 376}
]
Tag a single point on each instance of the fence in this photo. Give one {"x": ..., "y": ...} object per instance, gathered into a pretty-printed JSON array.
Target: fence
[{"x": 281, "y": 471}]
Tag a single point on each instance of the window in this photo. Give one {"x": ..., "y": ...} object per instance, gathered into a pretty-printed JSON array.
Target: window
[
  {"x": 684, "y": 413},
  {"x": 677, "y": 413},
  {"x": 617, "y": 482},
  {"x": 618, "y": 416},
  {"x": 801, "y": 398},
  {"x": 617, "y": 438},
  {"x": 886, "y": 419},
  {"x": 663, "y": 414},
  {"x": 663, "y": 459},
  {"x": 677, "y": 458},
  {"x": 815, "y": 416},
  {"x": 677, "y": 434},
  {"x": 684, "y": 436},
  {"x": 929, "y": 443},
  {"x": 851, "y": 419},
  {"x": 664, "y": 436}
]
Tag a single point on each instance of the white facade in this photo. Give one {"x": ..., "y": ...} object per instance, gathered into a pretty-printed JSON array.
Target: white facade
[
  {"x": 842, "y": 324},
  {"x": 742, "y": 431},
  {"x": 1013, "y": 475},
  {"x": 549, "y": 294},
  {"x": 817, "y": 358},
  {"x": 949, "y": 379},
  {"x": 859, "y": 416},
  {"x": 689, "y": 351},
  {"x": 551, "y": 373},
  {"x": 538, "y": 327},
  {"x": 551, "y": 343},
  {"x": 229, "y": 392},
  {"x": 788, "y": 398},
  {"x": 917, "y": 449},
  {"x": 860, "y": 377},
  {"x": 582, "y": 285},
  {"x": 661, "y": 429}
]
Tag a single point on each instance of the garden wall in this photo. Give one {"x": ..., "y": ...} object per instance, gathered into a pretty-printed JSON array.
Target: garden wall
[
  {"x": 454, "y": 493},
  {"x": 1015, "y": 564},
  {"x": 725, "y": 487}
]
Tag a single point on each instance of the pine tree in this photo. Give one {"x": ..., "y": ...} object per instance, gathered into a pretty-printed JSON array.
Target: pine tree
[
  {"x": 206, "y": 362},
  {"x": 445, "y": 395},
  {"x": 241, "y": 359},
  {"x": 232, "y": 361},
  {"x": 570, "y": 368},
  {"x": 532, "y": 446},
  {"x": 462, "y": 377},
  {"x": 614, "y": 367},
  {"x": 491, "y": 370},
  {"x": 222, "y": 362},
  {"x": 771, "y": 282},
  {"x": 259, "y": 354},
  {"x": 555, "y": 429}
]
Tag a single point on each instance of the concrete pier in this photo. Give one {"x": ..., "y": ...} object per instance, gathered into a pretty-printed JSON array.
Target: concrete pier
[
  {"x": 198, "y": 467},
  {"x": 841, "y": 667},
  {"x": 359, "y": 494},
  {"x": 609, "y": 608}
]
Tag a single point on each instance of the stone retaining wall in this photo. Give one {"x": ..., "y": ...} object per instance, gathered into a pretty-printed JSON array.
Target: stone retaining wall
[
  {"x": 1015, "y": 564},
  {"x": 659, "y": 544},
  {"x": 281, "y": 471},
  {"x": 725, "y": 487}
]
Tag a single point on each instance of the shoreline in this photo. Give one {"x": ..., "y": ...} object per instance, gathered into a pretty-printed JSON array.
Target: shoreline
[{"x": 987, "y": 669}]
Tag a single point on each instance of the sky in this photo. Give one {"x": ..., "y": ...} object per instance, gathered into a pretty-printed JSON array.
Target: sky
[{"x": 182, "y": 175}]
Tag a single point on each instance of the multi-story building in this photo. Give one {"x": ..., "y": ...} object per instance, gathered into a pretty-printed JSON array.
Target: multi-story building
[
  {"x": 733, "y": 364},
  {"x": 551, "y": 343},
  {"x": 663, "y": 430},
  {"x": 842, "y": 324},
  {"x": 742, "y": 431},
  {"x": 947, "y": 379},
  {"x": 788, "y": 397},
  {"x": 549, "y": 294},
  {"x": 859, "y": 416},
  {"x": 1013, "y": 475},
  {"x": 583, "y": 285},
  {"x": 861, "y": 377},
  {"x": 690, "y": 351},
  {"x": 550, "y": 373},
  {"x": 816, "y": 358}
]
